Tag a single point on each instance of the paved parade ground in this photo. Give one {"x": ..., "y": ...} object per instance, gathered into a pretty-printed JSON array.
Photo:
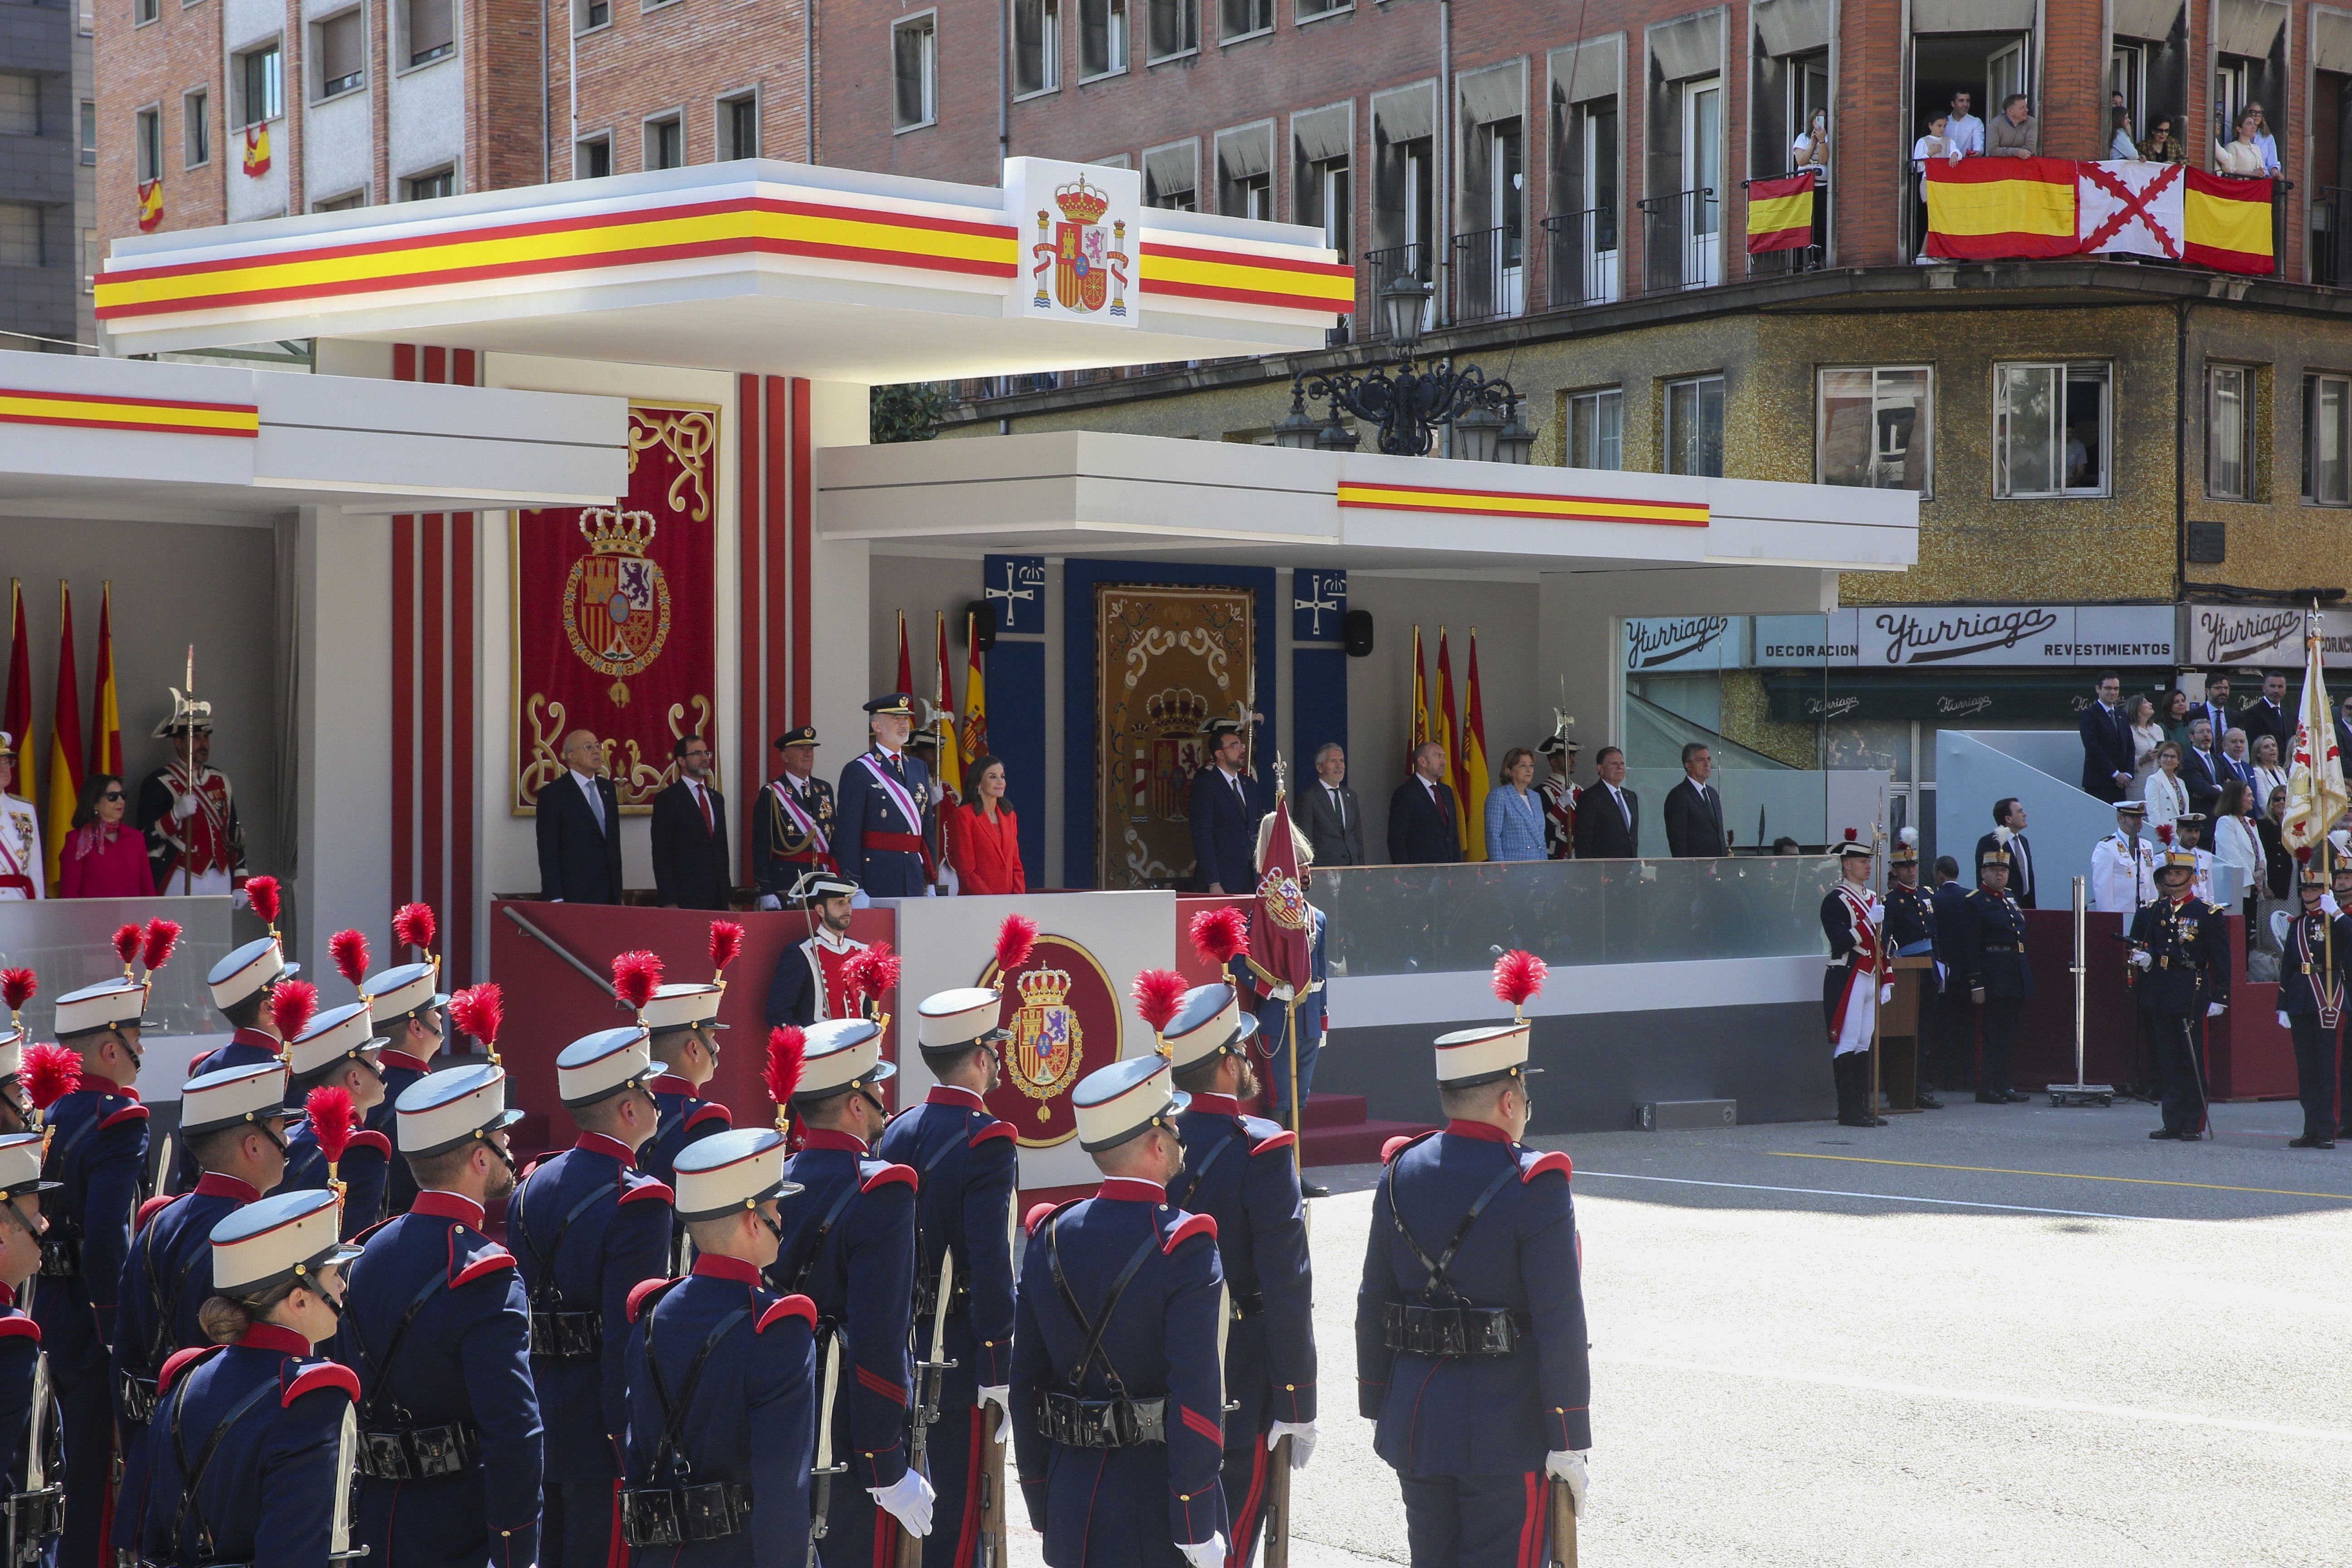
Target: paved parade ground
[{"x": 1983, "y": 1335}]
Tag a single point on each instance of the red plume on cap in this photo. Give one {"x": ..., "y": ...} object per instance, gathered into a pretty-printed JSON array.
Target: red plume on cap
[
  {"x": 17, "y": 987},
  {"x": 349, "y": 950},
  {"x": 478, "y": 1010},
  {"x": 1221, "y": 934},
  {"x": 330, "y": 1110},
  {"x": 126, "y": 945},
  {"x": 1158, "y": 992},
  {"x": 291, "y": 1003},
  {"x": 873, "y": 974},
  {"x": 1520, "y": 977},
  {"x": 413, "y": 926},
  {"x": 1016, "y": 939},
  {"x": 786, "y": 1047},
  {"x": 635, "y": 975},
  {"x": 162, "y": 936},
  {"x": 725, "y": 941},
  {"x": 261, "y": 893},
  {"x": 51, "y": 1073},
  {"x": 2164, "y": 834},
  {"x": 1852, "y": 833}
]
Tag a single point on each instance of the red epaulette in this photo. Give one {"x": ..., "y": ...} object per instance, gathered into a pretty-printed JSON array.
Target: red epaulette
[
  {"x": 787, "y": 1307},
  {"x": 644, "y": 1293},
  {"x": 369, "y": 1138},
  {"x": 487, "y": 1258},
  {"x": 180, "y": 1362},
  {"x": 133, "y": 1112},
  {"x": 1282, "y": 1140},
  {"x": 17, "y": 1324},
  {"x": 314, "y": 1376},
  {"x": 1191, "y": 1224},
  {"x": 1040, "y": 1213},
  {"x": 150, "y": 1208},
  {"x": 705, "y": 1111},
  {"x": 888, "y": 1174},
  {"x": 647, "y": 1190},
  {"x": 1532, "y": 1164},
  {"x": 995, "y": 1129}
]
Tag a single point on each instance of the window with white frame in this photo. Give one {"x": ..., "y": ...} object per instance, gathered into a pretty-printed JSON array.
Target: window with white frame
[
  {"x": 738, "y": 126},
  {"x": 426, "y": 187},
  {"x": 915, "y": 71},
  {"x": 1102, "y": 37},
  {"x": 2050, "y": 426},
  {"x": 587, "y": 15},
  {"x": 2327, "y": 440},
  {"x": 1036, "y": 46},
  {"x": 143, "y": 12},
  {"x": 1873, "y": 428},
  {"x": 1310, "y": 9},
  {"x": 339, "y": 46},
  {"x": 2229, "y": 432},
  {"x": 261, "y": 85},
  {"x": 1171, "y": 177},
  {"x": 1695, "y": 426},
  {"x": 1175, "y": 28},
  {"x": 1596, "y": 429},
  {"x": 666, "y": 142},
  {"x": 432, "y": 30}
]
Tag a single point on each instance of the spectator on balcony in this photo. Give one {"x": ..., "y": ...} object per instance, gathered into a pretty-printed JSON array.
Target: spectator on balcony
[
  {"x": 2164, "y": 794},
  {"x": 2146, "y": 735},
  {"x": 1963, "y": 129},
  {"x": 99, "y": 860},
  {"x": 2263, "y": 139},
  {"x": 2237, "y": 843},
  {"x": 2162, "y": 145},
  {"x": 1515, "y": 829},
  {"x": 1422, "y": 814},
  {"x": 2106, "y": 742},
  {"x": 1694, "y": 809},
  {"x": 1813, "y": 145},
  {"x": 2241, "y": 157},
  {"x": 2269, "y": 777},
  {"x": 2176, "y": 717},
  {"x": 2013, "y": 134},
  {"x": 2119, "y": 138},
  {"x": 984, "y": 836},
  {"x": 2201, "y": 767}
]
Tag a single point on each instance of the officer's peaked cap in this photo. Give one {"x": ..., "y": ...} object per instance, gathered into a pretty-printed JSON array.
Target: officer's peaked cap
[
  {"x": 957, "y": 1020},
  {"x": 289, "y": 1236},
  {"x": 249, "y": 968},
  {"x": 1487, "y": 1054},
  {"x": 337, "y": 1035},
  {"x": 20, "y": 1166},
  {"x": 244, "y": 1096},
  {"x": 839, "y": 1055},
  {"x": 731, "y": 1172},
  {"x": 1119, "y": 1102},
  {"x": 101, "y": 1007}
]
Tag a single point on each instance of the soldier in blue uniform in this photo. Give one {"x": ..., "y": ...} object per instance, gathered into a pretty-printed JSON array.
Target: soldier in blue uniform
[
  {"x": 440, "y": 1332},
  {"x": 339, "y": 1050},
  {"x": 793, "y": 821},
  {"x": 96, "y": 1154},
  {"x": 885, "y": 793},
  {"x": 849, "y": 1247},
  {"x": 1911, "y": 927},
  {"x": 241, "y": 985},
  {"x": 722, "y": 1377},
  {"x": 1470, "y": 1335},
  {"x": 1242, "y": 1171},
  {"x": 2315, "y": 949},
  {"x": 1117, "y": 1397},
  {"x": 407, "y": 1005},
  {"x": 683, "y": 1022},
  {"x": 248, "y": 1460},
  {"x": 586, "y": 1228},
  {"x": 2340, "y": 878},
  {"x": 2180, "y": 946},
  {"x": 1997, "y": 978},
  {"x": 31, "y": 1503},
  {"x": 967, "y": 1164},
  {"x": 233, "y": 1122}
]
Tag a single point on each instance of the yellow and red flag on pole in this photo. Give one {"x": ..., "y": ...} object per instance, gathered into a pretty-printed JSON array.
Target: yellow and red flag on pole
[
  {"x": 906, "y": 666},
  {"x": 1981, "y": 208},
  {"x": 943, "y": 718},
  {"x": 2227, "y": 224},
  {"x": 1447, "y": 733},
  {"x": 975, "y": 699},
  {"x": 65, "y": 737},
  {"x": 1781, "y": 213},
  {"x": 16, "y": 718},
  {"x": 1420, "y": 699},
  {"x": 106, "y": 740},
  {"x": 2315, "y": 792},
  {"x": 1472, "y": 789}
]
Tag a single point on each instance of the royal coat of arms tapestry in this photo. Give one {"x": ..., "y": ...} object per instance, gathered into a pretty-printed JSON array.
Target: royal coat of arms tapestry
[
  {"x": 1169, "y": 659},
  {"x": 616, "y": 614}
]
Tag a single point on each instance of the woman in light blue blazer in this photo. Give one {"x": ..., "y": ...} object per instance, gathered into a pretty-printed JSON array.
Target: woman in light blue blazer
[{"x": 1514, "y": 812}]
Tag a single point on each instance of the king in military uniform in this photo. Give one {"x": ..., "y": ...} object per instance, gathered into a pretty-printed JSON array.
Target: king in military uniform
[
  {"x": 1852, "y": 917},
  {"x": 793, "y": 827},
  {"x": 2179, "y": 944},
  {"x": 2315, "y": 948},
  {"x": 885, "y": 796}
]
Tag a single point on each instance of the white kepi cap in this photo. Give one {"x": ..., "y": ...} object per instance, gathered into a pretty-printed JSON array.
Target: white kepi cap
[
  {"x": 957, "y": 1020},
  {"x": 1118, "y": 1102},
  {"x": 101, "y": 1007},
  {"x": 337, "y": 1035},
  {"x": 20, "y": 1166},
  {"x": 249, "y": 968},
  {"x": 600, "y": 1066},
  {"x": 728, "y": 1173},
  {"x": 840, "y": 1055},
  {"x": 1209, "y": 1020},
  {"x": 248, "y": 1095},
  {"x": 289, "y": 1236},
  {"x": 684, "y": 1004},
  {"x": 447, "y": 1110},
  {"x": 1468, "y": 1058},
  {"x": 394, "y": 994}
]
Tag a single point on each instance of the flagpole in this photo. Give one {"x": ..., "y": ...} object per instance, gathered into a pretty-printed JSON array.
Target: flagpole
[{"x": 188, "y": 748}]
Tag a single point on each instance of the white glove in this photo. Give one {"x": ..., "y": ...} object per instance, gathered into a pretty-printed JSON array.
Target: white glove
[
  {"x": 1302, "y": 1440},
  {"x": 770, "y": 902},
  {"x": 2141, "y": 957},
  {"x": 240, "y": 900},
  {"x": 2328, "y": 902},
  {"x": 1209, "y": 1554},
  {"x": 1001, "y": 1396},
  {"x": 184, "y": 807},
  {"x": 1570, "y": 1465},
  {"x": 2215, "y": 1009},
  {"x": 1877, "y": 915},
  {"x": 2283, "y": 1023},
  {"x": 909, "y": 1499},
  {"x": 1886, "y": 993}
]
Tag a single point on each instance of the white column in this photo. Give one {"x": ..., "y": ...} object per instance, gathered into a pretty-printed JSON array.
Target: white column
[{"x": 343, "y": 745}]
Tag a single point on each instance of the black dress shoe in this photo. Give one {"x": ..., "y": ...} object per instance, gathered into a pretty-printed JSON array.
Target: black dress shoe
[
  {"x": 1927, "y": 1101},
  {"x": 2164, "y": 1132},
  {"x": 1312, "y": 1190},
  {"x": 1984, "y": 1099},
  {"x": 1860, "y": 1121},
  {"x": 2311, "y": 1143},
  {"x": 2017, "y": 1099}
]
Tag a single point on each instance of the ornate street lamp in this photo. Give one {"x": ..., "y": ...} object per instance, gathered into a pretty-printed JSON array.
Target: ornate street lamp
[
  {"x": 1409, "y": 403},
  {"x": 1405, "y": 303}
]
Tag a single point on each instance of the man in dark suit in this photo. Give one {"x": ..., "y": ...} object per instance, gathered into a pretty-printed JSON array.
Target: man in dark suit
[
  {"x": 2106, "y": 742},
  {"x": 2270, "y": 716},
  {"x": 1224, "y": 812},
  {"x": 1955, "y": 1016},
  {"x": 579, "y": 829},
  {"x": 1328, "y": 812},
  {"x": 690, "y": 833},
  {"x": 2215, "y": 709},
  {"x": 2009, "y": 812},
  {"x": 2201, "y": 767},
  {"x": 1694, "y": 811},
  {"x": 1422, "y": 815},
  {"x": 1608, "y": 817},
  {"x": 2343, "y": 737}
]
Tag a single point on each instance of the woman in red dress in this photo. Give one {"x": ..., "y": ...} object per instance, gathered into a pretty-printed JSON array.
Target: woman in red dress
[
  {"x": 984, "y": 837},
  {"x": 102, "y": 858}
]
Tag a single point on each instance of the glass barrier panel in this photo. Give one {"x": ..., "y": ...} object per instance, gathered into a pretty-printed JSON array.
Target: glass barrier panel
[{"x": 69, "y": 944}]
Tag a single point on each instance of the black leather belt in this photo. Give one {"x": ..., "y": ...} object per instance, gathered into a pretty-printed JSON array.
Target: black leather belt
[
  {"x": 1453, "y": 1330},
  {"x": 1104, "y": 1423},
  {"x": 566, "y": 1336},
  {"x": 674, "y": 1516},
  {"x": 419, "y": 1453},
  {"x": 2010, "y": 949}
]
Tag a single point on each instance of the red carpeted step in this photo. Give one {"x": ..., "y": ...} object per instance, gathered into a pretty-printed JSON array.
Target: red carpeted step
[
  {"x": 1356, "y": 1144},
  {"x": 1336, "y": 1109}
]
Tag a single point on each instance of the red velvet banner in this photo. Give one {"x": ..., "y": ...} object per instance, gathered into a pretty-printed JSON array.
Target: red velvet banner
[{"x": 616, "y": 614}]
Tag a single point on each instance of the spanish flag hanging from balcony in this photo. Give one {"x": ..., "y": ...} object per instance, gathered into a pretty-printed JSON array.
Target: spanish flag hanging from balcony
[
  {"x": 2227, "y": 224},
  {"x": 1781, "y": 213},
  {"x": 1981, "y": 208},
  {"x": 256, "y": 149},
  {"x": 150, "y": 204}
]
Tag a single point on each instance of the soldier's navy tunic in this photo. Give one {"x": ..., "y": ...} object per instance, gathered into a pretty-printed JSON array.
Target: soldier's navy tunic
[
  {"x": 2188, "y": 943},
  {"x": 1123, "y": 1508},
  {"x": 399, "y": 1069},
  {"x": 860, "y": 1273},
  {"x": 165, "y": 1281},
  {"x": 586, "y": 1228},
  {"x": 266, "y": 1495},
  {"x": 965, "y": 1162},
  {"x": 365, "y": 1171},
  {"x": 751, "y": 1418},
  {"x": 465, "y": 1358},
  {"x": 685, "y": 1117},
  {"x": 2309, "y": 960},
  {"x": 98, "y": 1154},
  {"x": 1467, "y": 1434},
  {"x": 245, "y": 1048},
  {"x": 1238, "y": 1171},
  {"x": 1911, "y": 922},
  {"x": 1991, "y": 944},
  {"x": 895, "y": 870}
]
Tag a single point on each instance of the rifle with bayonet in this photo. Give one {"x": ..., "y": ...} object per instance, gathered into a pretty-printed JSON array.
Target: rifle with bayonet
[
  {"x": 821, "y": 1495},
  {"x": 928, "y": 1377}
]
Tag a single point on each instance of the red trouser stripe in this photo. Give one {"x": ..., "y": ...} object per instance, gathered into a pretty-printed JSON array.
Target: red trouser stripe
[
  {"x": 1531, "y": 1541},
  {"x": 1245, "y": 1525},
  {"x": 968, "y": 1534}
]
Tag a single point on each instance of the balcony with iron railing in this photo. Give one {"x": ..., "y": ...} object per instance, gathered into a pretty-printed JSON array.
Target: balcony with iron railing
[
  {"x": 1489, "y": 280},
  {"x": 1582, "y": 259}
]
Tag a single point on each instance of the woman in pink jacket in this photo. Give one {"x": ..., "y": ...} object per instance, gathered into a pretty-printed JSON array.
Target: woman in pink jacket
[{"x": 102, "y": 858}]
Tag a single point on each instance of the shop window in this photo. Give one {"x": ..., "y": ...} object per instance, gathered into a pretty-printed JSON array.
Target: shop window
[
  {"x": 2050, "y": 430},
  {"x": 2229, "y": 432},
  {"x": 915, "y": 71},
  {"x": 1102, "y": 37},
  {"x": 1873, "y": 428},
  {"x": 1695, "y": 426},
  {"x": 1175, "y": 28},
  {"x": 261, "y": 85},
  {"x": 2327, "y": 407},
  {"x": 1036, "y": 46},
  {"x": 1596, "y": 429}
]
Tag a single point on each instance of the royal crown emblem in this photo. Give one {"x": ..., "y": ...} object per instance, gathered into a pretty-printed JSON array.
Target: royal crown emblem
[
  {"x": 1080, "y": 202},
  {"x": 1048, "y": 1048},
  {"x": 1284, "y": 900},
  {"x": 1087, "y": 265},
  {"x": 617, "y": 608}
]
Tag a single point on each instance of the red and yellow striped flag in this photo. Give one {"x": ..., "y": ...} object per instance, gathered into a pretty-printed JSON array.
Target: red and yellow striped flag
[
  {"x": 1981, "y": 208},
  {"x": 1447, "y": 731},
  {"x": 65, "y": 737},
  {"x": 1781, "y": 213},
  {"x": 105, "y": 739},
  {"x": 2227, "y": 224},
  {"x": 1475, "y": 778},
  {"x": 1420, "y": 700}
]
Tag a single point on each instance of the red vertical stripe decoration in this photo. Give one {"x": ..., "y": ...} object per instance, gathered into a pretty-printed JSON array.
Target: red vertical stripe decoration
[
  {"x": 463, "y": 775},
  {"x": 776, "y": 556},
  {"x": 403, "y": 706},
  {"x": 800, "y": 529},
  {"x": 433, "y": 713},
  {"x": 750, "y": 617}
]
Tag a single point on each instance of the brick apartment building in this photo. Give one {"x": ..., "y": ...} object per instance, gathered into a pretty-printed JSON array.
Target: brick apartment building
[{"x": 48, "y": 153}]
